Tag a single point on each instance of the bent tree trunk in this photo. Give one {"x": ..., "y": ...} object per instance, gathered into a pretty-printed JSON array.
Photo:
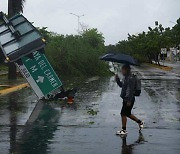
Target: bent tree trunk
[
  {"x": 11, "y": 67},
  {"x": 149, "y": 59},
  {"x": 157, "y": 59}
]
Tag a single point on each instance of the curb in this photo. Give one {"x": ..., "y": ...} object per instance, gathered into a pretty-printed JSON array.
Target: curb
[
  {"x": 165, "y": 68},
  {"x": 13, "y": 89}
]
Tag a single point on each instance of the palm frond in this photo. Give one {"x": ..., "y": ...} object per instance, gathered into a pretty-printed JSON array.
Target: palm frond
[{"x": 18, "y": 5}]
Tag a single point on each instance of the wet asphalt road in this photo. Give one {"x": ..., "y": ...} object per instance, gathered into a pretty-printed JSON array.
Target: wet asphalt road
[{"x": 89, "y": 125}]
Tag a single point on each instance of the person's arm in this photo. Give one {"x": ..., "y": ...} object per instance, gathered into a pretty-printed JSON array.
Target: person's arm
[
  {"x": 118, "y": 81},
  {"x": 130, "y": 90}
]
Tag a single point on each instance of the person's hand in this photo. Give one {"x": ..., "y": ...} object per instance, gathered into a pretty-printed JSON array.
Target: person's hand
[
  {"x": 116, "y": 77},
  {"x": 128, "y": 103}
]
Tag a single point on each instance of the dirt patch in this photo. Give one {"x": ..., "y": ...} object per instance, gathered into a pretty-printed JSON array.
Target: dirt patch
[{"x": 165, "y": 68}]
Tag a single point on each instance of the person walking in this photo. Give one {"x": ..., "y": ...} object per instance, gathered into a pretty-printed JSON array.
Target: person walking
[{"x": 128, "y": 95}]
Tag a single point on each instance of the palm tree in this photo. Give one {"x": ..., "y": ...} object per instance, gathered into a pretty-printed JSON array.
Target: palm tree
[{"x": 14, "y": 6}]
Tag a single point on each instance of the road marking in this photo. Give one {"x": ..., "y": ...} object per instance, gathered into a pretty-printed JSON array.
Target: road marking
[{"x": 13, "y": 89}]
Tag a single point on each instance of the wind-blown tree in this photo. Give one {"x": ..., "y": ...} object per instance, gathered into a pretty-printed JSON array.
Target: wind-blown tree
[
  {"x": 176, "y": 34},
  {"x": 158, "y": 38},
  {"x": 146, "y": 46},
  {"x": 76, "y": 55},
  {"x": 14, "y": 7}
]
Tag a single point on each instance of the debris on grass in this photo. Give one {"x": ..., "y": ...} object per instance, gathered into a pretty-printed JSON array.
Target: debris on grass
[
  {"x": 92, "y": 112},
  {"x": 165, "y": 68},
  {"x": 91, "y": 122}
]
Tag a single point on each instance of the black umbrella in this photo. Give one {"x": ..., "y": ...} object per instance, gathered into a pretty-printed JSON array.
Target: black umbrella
[
  {"x": 107, "y": 57},
  {"x": 119, "y": 58}
]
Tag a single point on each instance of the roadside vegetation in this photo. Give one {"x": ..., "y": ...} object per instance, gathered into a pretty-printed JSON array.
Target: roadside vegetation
[
  {"x": 76, "y": 55},
  {"x": 146, "y": 46}
]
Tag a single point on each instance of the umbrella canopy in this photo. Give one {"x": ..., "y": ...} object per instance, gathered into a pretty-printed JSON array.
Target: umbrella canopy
[
  {"x": 107, "y": 57},
  {"x": 119, "y": 58}
]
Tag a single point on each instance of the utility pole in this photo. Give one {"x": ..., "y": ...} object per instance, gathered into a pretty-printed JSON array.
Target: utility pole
[
  {"x": 11, "y": 66},
  {"x": 78, "y": 16}
]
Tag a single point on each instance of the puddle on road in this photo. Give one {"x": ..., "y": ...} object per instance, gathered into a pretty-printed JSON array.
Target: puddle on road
[
  {"x": 16, "y": 108},
  {"x": 88, "y": 123}
]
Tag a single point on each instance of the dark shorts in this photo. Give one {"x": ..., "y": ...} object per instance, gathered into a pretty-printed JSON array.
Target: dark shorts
[{"x": 126, "y": 110}]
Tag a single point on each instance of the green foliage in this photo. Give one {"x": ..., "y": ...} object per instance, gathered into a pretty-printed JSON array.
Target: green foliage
[
  {"x": 76, "y": 55},
  {"x": 176, "y": 33},
  {"x": 17, "y": 5},
  {"x": 146, "y": 46},
  {"x": 92, "y": 112}
]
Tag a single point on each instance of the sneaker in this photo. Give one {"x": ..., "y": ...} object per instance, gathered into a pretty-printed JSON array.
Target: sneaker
[
  {"x": 122, "y": 132},
  {"x": 141, "y": 126}
]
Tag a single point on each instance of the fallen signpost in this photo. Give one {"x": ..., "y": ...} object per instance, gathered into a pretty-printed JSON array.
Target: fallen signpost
[
  {"x": 39, "y": 74},
  {"x": 22, "y": 44}
]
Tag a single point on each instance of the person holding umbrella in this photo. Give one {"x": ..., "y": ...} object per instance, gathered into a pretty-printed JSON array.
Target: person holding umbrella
[
  {"x": 128, "y": 96},
  {"x": 130, "y": 88}
]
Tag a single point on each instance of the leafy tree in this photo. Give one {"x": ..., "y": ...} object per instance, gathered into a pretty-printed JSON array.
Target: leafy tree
[
  {"x": 76, "y": 55},
  {"x": 15, "y": 6},
  {"x": 176, "y": 34},
  {"x": 111, "y": 48},
  {"x": 146, "y": 46}
]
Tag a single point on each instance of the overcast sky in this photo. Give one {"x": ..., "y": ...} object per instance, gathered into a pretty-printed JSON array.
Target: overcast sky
[{"x": 114, "y": 18}]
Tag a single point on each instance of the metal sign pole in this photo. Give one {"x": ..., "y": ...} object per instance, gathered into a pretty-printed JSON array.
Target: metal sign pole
[
  {"x": 39, "y": 74},
  {"x": 21, "y": 43}
]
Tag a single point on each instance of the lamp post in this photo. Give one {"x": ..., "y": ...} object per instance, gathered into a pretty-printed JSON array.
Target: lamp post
[{"x": 78, "y": 16}]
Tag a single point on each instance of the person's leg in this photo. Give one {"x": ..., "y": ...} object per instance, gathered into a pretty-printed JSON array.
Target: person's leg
[
  {"x": 124, "y": 122},
  {"x": 124, "y": 116},
  {"x": 139, "y": 122},
  {"x": 134, "y": 118},
  {"x": 131, "y": 116}
]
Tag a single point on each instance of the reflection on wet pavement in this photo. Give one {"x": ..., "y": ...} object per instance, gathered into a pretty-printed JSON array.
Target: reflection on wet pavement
[{"x": 89, "y": 125}]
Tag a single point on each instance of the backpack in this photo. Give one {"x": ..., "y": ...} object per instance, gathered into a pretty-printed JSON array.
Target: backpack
[{"x": 137, "y": 90}]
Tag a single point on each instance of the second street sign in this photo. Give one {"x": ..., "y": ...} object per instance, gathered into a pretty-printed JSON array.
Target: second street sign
[{"x": 39, "y": 74}]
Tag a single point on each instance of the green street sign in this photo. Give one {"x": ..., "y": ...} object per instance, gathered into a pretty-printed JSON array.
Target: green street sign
[{"x": 40, "y": 74}]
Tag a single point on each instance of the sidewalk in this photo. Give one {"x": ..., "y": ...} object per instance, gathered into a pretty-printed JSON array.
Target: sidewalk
[{"x": 176, "y": 66}]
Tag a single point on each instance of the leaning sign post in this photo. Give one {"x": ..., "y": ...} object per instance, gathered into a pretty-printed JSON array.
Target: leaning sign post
[
  {"x": 39, "y": 74},
  {"x": 163, "y": 52},
  {"x": 19, "y": 38},
  {"x": 22, "y": 44}
]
